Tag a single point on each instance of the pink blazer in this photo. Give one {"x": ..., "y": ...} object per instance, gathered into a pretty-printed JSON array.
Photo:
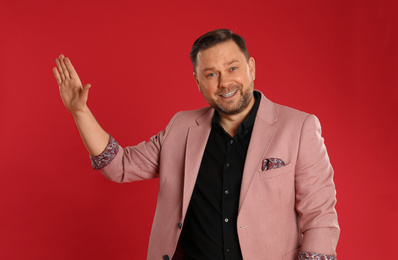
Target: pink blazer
[{"x": 281, "y": 211}]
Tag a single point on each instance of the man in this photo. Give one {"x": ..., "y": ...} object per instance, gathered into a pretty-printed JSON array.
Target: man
[{"x": 242, "y": 179}]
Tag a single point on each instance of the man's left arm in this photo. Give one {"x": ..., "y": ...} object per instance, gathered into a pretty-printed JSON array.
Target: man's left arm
[{"x": 315, "y": 195}]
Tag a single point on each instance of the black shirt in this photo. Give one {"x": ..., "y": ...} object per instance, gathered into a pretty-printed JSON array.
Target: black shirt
[{"x": 210, "y": 228}]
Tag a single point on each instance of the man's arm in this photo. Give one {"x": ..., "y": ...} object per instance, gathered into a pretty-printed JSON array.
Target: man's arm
[
  {"x": 74, "y": 95},
  {"x": 315, "y": 195}
]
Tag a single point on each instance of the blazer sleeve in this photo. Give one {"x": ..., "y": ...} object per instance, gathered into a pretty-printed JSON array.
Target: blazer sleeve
[
  {"x": 138, "y": 162},
  {"x": 315, "y": 192}
]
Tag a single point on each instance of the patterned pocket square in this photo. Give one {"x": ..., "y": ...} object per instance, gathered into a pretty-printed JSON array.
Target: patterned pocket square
[{"x": 272, "y": 163}]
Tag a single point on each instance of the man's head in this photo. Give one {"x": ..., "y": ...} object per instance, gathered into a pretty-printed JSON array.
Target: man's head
[
  {"x": 224, "y": 71},
  {"x": 215, "y": 37}
]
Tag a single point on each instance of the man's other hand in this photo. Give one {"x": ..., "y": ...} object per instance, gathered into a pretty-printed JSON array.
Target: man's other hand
[{"x": 73, "y": 93}]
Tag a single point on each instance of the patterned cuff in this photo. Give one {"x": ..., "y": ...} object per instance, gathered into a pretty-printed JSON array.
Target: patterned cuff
[
  {"x": 315, "y": 256},
  {"x": 100, "y": 161}
]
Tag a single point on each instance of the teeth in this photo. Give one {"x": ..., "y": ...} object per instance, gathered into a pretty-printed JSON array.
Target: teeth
[{"x": 229, "y": 94}]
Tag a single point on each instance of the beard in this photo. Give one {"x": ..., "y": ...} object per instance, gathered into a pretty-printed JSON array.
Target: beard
[{"x": 232, "y": 108}]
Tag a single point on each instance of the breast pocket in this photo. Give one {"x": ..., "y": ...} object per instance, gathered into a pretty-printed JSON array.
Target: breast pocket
[{"x": 275, "y": 173}]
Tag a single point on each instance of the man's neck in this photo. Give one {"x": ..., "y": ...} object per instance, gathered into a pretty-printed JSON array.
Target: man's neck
[{"x": 230, "y": 123}]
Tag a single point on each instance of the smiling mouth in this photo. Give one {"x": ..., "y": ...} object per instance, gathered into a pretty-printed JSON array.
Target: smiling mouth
[{"x": 230, "y": 94}]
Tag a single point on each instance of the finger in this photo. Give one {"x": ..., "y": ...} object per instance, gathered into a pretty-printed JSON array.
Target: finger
[
  {"x": 71, "y": 70},
  {"x": 64, "y": 69},
  {"x": 58, "y": 62},
  {"x": 57, "y": 76}
]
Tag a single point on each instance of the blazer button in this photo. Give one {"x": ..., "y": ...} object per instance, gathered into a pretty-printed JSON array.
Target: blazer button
[
  {"x": 166, "y": 257},
  {"x": 179, "y": 225}
]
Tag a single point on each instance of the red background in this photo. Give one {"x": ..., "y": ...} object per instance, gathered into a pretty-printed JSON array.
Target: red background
[{"x": 335, "y": 59}]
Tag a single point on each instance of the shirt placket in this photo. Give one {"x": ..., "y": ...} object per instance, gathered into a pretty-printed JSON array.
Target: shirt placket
[{"x": 226, "y": 201}]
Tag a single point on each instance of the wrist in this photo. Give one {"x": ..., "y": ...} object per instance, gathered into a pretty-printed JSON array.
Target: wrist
[{"x": 80, "y": 112}]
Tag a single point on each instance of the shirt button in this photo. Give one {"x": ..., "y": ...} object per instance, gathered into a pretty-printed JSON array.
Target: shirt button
[
  {"x": 232, "y": 141},
  {"x": 179, "y": 225},
  {"x": 227, "y": 164},
  {"x": 228, "y": 250},
  {"x": 226, "y": 220},
  {"x": 226, "y": 192}
]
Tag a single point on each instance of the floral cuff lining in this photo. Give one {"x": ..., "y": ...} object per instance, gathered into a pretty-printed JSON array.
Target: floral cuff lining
[
  {"x": 315, "y": 256},
  {"x": 100, "y": 161}
]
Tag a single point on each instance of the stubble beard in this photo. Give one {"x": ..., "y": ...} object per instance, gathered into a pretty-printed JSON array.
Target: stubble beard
[{"x": 232, "y": 109}]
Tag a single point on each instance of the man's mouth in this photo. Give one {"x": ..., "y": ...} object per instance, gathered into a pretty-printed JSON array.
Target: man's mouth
[{"x": 230, "y": 94}]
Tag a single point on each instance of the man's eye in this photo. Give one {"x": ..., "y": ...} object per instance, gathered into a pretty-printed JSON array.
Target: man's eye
[
  {"x": 234, "y": 68},
  {"x": 211, "y": 75}
]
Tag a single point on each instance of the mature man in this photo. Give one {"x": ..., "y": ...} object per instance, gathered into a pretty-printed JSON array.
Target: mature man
[{"x": 242, "y": 179}]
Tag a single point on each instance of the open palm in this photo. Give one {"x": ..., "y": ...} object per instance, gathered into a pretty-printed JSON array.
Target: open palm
[{"x": 73, "y": 93}]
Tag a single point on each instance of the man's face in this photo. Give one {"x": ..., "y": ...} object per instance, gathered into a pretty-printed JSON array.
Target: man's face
[{"x": 226, "y": 78}]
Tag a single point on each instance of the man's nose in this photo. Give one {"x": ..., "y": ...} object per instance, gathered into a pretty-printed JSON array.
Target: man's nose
[{"x": 224, "y": 81}]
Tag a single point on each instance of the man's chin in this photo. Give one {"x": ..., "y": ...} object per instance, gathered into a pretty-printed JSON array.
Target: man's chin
[
  {"x": 232, "y": 109},
  {"x": 228, "y": 110}
]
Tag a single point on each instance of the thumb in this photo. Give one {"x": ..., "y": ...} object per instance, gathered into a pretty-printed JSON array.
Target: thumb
[{"x": 85, "y": 91}]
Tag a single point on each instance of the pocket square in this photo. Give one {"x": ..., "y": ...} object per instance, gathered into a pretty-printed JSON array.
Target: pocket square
[{"x": 272, "y": 163}]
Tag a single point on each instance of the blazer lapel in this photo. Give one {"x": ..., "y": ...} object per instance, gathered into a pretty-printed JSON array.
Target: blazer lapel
[
  {"x": 262, "y": 135},
  {"x": 196, "y": 144}
]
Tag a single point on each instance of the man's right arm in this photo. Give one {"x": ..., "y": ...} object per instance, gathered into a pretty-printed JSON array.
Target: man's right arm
[
  {"x": 128, "y": 164},
  {"x": 74, "y": 95}
]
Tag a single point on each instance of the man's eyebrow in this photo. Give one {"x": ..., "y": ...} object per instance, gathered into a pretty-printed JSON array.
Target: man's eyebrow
[
  {"x": 231, "y": 62},
  {"x": 209, "y": 68},
  {"x": 225, "y": 64}
]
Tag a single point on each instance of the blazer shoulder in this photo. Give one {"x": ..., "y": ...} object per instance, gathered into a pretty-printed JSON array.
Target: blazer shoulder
[
  {"x": 193, "y": 114},
  {"x": 185, "y": 119},
  {"x": 191, "y": 117},
  {"x": 291, "y": 118},
  {"x": 285, "y": 113},
  {"x": 272, "y": 112}
]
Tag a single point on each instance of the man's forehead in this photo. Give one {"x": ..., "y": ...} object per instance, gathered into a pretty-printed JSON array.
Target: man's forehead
[
  {"x": 224, "y": 53},
  {"x": 221, "y": 47}
]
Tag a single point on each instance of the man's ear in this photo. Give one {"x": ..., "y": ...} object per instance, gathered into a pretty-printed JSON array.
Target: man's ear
[
  {"x": 195, "y": 76},
  {"x": 252, "y": 67}
]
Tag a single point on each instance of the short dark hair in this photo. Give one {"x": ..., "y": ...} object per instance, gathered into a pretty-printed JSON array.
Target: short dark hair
[{"x": 213, "y": 38}]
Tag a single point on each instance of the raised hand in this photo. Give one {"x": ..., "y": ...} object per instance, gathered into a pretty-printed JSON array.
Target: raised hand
[
  {"x": 73, "y": 93},
  {"x": 74, "y": 96}
]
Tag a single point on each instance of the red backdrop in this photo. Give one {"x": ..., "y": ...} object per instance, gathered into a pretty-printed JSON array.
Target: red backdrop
[{"x": 335, "y": 59}]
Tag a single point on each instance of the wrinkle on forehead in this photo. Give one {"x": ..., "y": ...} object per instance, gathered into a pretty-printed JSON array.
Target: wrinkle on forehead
[
  {"x": 226, "y": 64},
  {"x": 220, "y": 55}
]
